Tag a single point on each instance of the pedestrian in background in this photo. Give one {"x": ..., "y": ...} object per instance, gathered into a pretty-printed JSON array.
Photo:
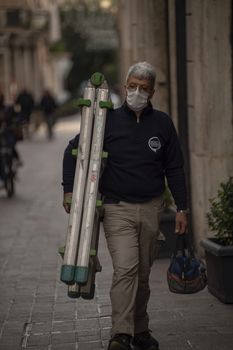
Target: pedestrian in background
[
  {"x": 48, "y": 106},
  {"x": 26, "y": 102},
  {"x": 11, "y": 132},
  {"x": 143, "y": 149}
]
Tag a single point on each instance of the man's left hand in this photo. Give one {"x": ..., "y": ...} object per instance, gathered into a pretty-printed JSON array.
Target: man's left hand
[
  {"x": 181, "y": 223},
  {"x": 67, "y": 199}
]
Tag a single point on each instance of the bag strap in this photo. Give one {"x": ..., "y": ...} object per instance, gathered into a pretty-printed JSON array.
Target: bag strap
[
  {"x": 189, "y": 246},
  {"x": 180, "y": 245},
  {"x": 183, "y": 244}
]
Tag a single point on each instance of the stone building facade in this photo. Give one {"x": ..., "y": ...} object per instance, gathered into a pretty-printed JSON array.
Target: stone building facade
[
  {"x": 27, "y": 29},
  {"x": 209, "y": 102},
  {"x": 190, "y": 44},
  {"x": 143, "y": 37}
]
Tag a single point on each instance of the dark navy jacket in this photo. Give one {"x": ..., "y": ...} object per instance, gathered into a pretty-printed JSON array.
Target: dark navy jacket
[{"x": 140, "y": 155}]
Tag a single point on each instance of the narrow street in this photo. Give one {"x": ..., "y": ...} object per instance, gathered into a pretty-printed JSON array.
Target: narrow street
[{"x": 35, "y": 312}]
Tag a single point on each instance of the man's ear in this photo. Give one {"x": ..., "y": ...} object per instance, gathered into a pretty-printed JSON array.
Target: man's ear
[{"x": 151, "y": 94}]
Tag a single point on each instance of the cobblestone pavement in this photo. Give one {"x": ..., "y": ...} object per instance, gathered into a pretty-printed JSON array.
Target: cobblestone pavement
[{"x": 35, "y": 312}]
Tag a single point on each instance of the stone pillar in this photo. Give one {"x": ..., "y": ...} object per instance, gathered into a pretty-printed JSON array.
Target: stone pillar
[
  {"x": 159, "y": 51},
  {"x": 143, "y": 37},
  {"x": 19, "y": 67},
  {"x": 7, "y": 74},
  {"x": 209, "y": 68},
  {"x": 28, "y": 69},
  {"x": 37, "y": 74},
  {"x": 124, "y": 20},
  {"x": 55, "y": 26}
]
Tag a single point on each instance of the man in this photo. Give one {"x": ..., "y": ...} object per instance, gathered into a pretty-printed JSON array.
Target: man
[
  {"x": 26, "y": 103},
  {"x": 143, "y": 149},
  {"x": 48, "y": 106}
]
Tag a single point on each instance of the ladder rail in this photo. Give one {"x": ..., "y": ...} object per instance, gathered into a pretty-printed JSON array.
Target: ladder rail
[
  {"x": 81, "y": 274},
  {"x": 75, "y": 217}
]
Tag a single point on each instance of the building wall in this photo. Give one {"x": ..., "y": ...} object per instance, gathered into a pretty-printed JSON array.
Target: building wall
[
  {"x": 147, "y": 30},
  {"x": 209, "y": 68},
  {"x": 143, "y": 37},
  {"x": 25, "y": 58}
]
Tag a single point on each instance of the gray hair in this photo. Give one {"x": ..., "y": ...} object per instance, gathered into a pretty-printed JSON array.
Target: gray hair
[{"x": 142, "y": 70}]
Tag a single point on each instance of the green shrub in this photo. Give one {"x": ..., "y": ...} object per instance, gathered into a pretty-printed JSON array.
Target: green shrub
[{"x": 220, "y": 216}]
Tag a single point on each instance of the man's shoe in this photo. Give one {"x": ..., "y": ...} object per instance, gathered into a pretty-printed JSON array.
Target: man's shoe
[
  {"x": 145, "y": 341},
  {"x": 120, "y": 342}
]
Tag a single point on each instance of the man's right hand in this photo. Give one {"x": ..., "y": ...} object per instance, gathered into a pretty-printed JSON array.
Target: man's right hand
[{"x": 67, "y": 199}]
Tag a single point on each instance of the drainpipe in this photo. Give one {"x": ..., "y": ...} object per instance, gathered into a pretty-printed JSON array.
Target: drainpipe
[{"x": 181, "y": 59}]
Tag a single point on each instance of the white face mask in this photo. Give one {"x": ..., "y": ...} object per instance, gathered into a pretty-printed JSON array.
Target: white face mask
[{"x": 137, "y": 100}]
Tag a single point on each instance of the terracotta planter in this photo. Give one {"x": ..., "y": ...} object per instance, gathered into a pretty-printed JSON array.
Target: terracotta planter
[{"x": 219, "y": 261}]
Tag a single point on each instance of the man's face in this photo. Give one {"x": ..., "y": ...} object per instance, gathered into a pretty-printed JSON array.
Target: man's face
[{"x": 144, "y": 85}]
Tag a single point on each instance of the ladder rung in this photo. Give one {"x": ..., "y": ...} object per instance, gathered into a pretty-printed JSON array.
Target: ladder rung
[
  {"x": 93, "y": 252},
  {"x": 99, "y": 203},
  {"x": 74, "y": 152},
  {"x": 104, "y": 155},
  {"x": 106, "y": 104},
  {"x": 83, "y": 102}
]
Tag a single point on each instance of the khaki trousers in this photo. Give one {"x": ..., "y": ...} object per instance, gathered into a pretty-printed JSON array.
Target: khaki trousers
[{"x": 132, "y": 233}]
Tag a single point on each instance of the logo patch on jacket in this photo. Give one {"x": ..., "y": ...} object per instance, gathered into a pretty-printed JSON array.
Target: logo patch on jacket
[{"x": 154, "y": 143}]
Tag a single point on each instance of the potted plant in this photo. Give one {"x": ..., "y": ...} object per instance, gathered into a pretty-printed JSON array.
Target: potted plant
[{"x": 219, "y": 248}]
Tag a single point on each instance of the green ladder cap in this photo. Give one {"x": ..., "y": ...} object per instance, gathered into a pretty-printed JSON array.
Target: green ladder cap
[
  {"x": 92, "y": 252},
  {"x": 97, "y": 79},
  {"x": 74, "y": 152},
  {"x": 99, "y": 203},
  {"x": 67, "y": 274},
  {"x": 68, "y": 200},
  {"x": 82, "y": 102},
  {"x": 61, "y": 251},
  {"x": 104, "y": 155},
  {"x": 81, "y": 274},
  {"x": 106, "y": 104}
]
